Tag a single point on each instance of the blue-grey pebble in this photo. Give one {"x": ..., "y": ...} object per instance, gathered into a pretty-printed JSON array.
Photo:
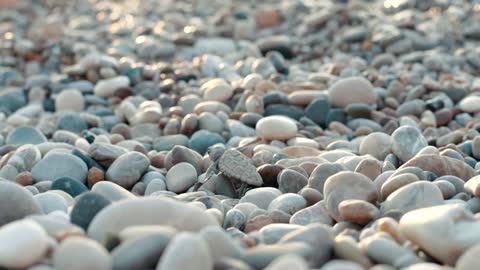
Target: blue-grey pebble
[
  {"x": 87, "y": 206},
  {"x": 202, "y": 139},
  {"x": 25, "y": 135}
]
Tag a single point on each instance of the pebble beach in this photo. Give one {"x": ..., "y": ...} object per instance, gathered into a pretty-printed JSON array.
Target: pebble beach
[{"x": 240, "y": 135}]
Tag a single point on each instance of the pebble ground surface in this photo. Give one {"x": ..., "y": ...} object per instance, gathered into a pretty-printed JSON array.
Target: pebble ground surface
[{"x": 356, "y": 126}]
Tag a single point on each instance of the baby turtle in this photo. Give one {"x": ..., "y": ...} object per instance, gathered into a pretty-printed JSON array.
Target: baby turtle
[{"x": 235, "y": 166}]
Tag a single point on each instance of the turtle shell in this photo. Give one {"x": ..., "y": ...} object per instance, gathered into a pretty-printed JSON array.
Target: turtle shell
[{"x": 238, "y": 166}]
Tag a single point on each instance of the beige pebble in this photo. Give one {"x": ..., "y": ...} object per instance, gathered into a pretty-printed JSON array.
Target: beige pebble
[{"x": 358, "y": 211}]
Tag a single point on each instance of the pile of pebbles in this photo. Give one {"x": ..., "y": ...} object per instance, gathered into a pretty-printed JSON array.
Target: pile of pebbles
[{"x": 353, "y": 128}]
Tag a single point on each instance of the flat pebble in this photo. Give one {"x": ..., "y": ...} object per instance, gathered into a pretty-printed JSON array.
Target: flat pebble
[
  {"x": 180, "y": 177},
  {"x": 276, "y": 128},
  {"x": 351, "y": 90},
  {"x": 56, "y": 165},
  {"x": 127, "y": 169}
]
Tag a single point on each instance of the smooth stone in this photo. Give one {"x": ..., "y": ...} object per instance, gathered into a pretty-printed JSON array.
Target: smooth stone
[
  {"x": 234, "y": 218},
  {"x": 50, "y": 202},
  {"x": 261, "y": 197},
  {"x": 23, "y": 237},
  {"x": 300, "y": 150},
  {"x": 12, "y": 99},
  {"x": 272, "y": 233},
  {"x": 288, "y": 203},
  {"x": 445, "y": 231},
  {"x": 201, "y": 140},
  {"x": 369, "y": 167},
  {"x": 289, "y": 111},
  {"x": 377, "y": 144},
  {"x": 413, "y": 196},
  {"x": 395, "y": 182},
  {"x": 441, "y": 165},
  {"x": 71, "y": 122},
  {"x": 105, "y": 153},
  {"x": 148, "y": 211},
  {"x": 69, "y": 185},
  {"x": 351, "y": 90},
  {"x": 166, "y": 143},
  {"x": 347, "y": 185},
  {"x": 210, "y": 122},
  {"x": 112, "y": 191},
  {"x": 16, "y": 202},
  {"x": 127, "y": 169},
  {"x": 316, "y": 213},
  {"x": 358, "y": 211},
  {"x": 257, "y": 221},
  {"x": 336, "y": 115},
  {"x": 191, "y": 246},
  {"x": 25, "y": 135},
  {"x": 237, "y": 128},
  {"x": 56, "y": 165},
  {"x": 211, "y": 106},
  {"x": 276, "y": 128},
  {"x": 470, "y": 104},
  {"x": 407, "y": 141},
  {"x": 69, "y": 100},
  {"x": 181, "y": 177},
  {"x": 220, "y": 244},
  {"x": 154, "y": 186},
  {"x": 304, "y": 97},
  {"x": 216, "y": 90},
  {"x": 318, "y": 236},
  {"x": 246, "y": 208},
  {"x": 141, "y": 252},
  {"x": 107, "y": 87},
  {"x": 261, "y": 256},
  {"x": 320, "y": 174},
  {"x": 290, "y": 181},
  {"x": 180, "y": 154},
  {"x": 75, "y": 253},
  {"x": 317, "y": 110},
  {"x": 88, "y": 205}
]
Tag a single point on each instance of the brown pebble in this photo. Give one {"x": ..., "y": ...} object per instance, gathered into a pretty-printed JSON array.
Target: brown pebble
[
  {"x": 95, "y": 175},
  {"x": 267, "y": 18},
  {"x": 257, "y": 223},
  {"x": 358, "y": 211},
  {"x": 312, "y": 195},
  {"x": 158, "y": 160},
  {"x": 269, "y": 174},
  {"x": 24, "y": 179},
  {"x": 397, "y": 182}
]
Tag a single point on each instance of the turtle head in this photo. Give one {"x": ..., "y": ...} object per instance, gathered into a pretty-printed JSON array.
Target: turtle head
[{"x": 215, "y": 152}]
